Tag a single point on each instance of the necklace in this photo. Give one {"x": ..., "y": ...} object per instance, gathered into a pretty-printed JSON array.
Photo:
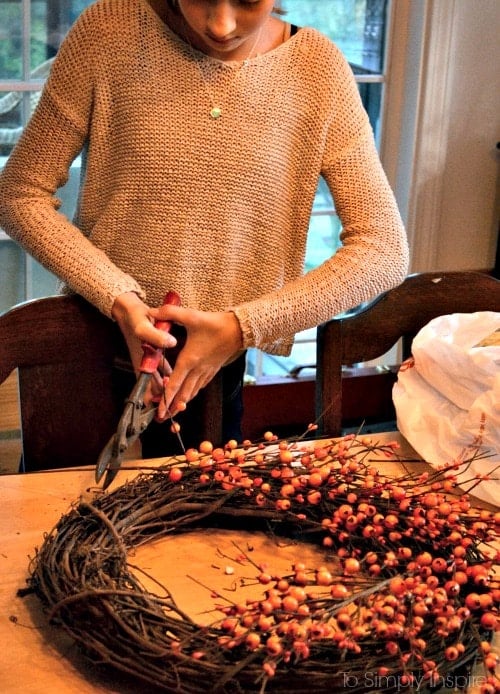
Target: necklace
[{"x": 216, "y": 109}]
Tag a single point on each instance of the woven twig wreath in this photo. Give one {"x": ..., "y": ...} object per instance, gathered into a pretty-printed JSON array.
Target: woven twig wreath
[{"x": 412, "y": 597}]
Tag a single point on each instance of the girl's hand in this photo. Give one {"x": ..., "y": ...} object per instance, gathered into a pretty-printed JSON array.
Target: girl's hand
[
  {"x": 213, "y": 339},
  {"x": 136, "y": 322}
]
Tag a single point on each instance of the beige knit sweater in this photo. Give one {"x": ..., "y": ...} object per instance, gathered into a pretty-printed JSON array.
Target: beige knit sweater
[{"x": 217, "y": 210}]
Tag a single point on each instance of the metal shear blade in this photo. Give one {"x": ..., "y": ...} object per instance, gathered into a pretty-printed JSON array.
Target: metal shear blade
[
  {"x": 135, "y": 417},
  {"x": 133, "y": 422}
]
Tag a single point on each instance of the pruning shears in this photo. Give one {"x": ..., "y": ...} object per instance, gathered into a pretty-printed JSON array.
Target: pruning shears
[{"x": 136, "y": 416}]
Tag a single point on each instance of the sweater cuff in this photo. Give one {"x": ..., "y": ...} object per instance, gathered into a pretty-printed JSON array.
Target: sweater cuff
[
  {"x": 245, "y": 325},
  {"x": 281, "y": 346}
]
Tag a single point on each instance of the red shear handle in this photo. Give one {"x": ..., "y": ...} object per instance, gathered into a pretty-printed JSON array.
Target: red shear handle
[{"x": 152, "y": 355}]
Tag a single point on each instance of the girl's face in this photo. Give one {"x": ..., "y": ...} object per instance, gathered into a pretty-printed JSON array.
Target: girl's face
[{"x": 225, "y": 29}]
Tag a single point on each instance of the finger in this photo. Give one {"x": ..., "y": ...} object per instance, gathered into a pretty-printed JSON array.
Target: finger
[
  {"x": 166, "y": 410},
  {"x": 154, "y": 389},
  {"x": 156, "y": 337},
  {"x": 170, "y": 312},
  {"x": 177, "y": 407},
  {"x": 165, "y": 340},
  {"x": 157, "y": 386},
  {"x": 174, "y": 399},
  {"x": 188, "y": 390},
  {"x": 164, "y": 367}
]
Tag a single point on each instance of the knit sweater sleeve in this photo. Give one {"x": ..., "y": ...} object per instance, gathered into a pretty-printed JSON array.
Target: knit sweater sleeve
[
  {"x": 39, "y": 166},
  {"x": 374, "y": 254}
]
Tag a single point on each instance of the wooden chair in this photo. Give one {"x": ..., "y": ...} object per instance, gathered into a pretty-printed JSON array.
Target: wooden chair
[
  {"x": 66, "y": 353},
  {"x": 372, "y": 331}
]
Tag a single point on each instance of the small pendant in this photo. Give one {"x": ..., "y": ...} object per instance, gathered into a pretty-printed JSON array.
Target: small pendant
[{"x": 216, "y": 112}]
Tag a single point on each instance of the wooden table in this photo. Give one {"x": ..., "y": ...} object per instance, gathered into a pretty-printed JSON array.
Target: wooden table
[{"x": 36, "y": 657}]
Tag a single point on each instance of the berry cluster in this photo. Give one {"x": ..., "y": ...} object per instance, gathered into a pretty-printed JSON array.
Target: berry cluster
[
  {"x": 406, "y": 591},
  {"x": 410, "y": 575}
]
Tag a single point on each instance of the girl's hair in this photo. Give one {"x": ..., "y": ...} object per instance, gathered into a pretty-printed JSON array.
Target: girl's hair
[{"x": 174, "y": 6}]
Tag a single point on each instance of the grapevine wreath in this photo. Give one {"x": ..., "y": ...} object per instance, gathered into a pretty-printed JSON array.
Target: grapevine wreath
[{"x": 407, "y": 590}]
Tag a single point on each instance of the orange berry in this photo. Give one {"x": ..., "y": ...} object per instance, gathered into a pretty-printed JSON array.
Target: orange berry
[
  {"x": 175, "y": 474},
  {"x": 491, "y": 662},
  {"x": 218, "y": 454},
  {"x": 206, "y": 447},
  {"x": 320, "y": 453},
  {"x": 344, "y": 511},
  {"x": 192, "y": 455},
  {"x": 315, "y": 479},
  {"x": 282, "y": 504},
  {"x": 339, "y": 591},
  {"x": 489, "y": 620},
  {"x": 486, "y": 601},
  {"x": 252, "y": 640},
  {"x": 397, "y": 586},
  {"x": 351, "y": 566},
  {"x": 286, "y": 457},
  {"x": 324, "y": 577},
  {"x": 264, "y": 578},
  {"x": 314, "y": 497},
  {"x": 439, "y": 564},
  {"x": 472, "y": 601},
  {"x": 298, "y": 592},
  {"x": 424, "y": 559},
  {"x": 287, "y": 490},
  {"x": 290, "y": 604},
  {"x": 273, "y": 645},
  {"x": 451, "y": 653}
]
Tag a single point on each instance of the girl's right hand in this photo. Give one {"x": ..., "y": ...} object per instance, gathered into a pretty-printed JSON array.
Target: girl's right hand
[{"x": 137, "y": 325}]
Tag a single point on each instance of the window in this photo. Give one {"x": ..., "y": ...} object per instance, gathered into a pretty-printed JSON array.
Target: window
[
  {"x": 31, "y": 34},
  {"x": 359, "y": 28}
]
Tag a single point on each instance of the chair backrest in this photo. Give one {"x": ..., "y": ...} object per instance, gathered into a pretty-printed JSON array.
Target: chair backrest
[
  {"x": 372, "y": 331},
  {"x": 66, "y": 353}
]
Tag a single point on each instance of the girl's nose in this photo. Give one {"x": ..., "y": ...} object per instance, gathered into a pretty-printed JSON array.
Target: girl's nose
[{"x": 221, "y": 20}]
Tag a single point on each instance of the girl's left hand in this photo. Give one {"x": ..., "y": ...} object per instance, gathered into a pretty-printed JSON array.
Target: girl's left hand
[{"x": 213, "y": 339}]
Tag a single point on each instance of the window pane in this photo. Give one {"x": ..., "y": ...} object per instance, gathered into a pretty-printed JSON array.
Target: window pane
[
  {"x": 12, "y": 272},
  {"x": 38, "y": 46},
  {"x": 41, "y": 281},
  {"x": 27, "y": 47},
  {"x": 323, "y": 239},
  {"x": 22, "y": 277},
  {"x": 11, "y": 21},
  {"x": 371, "y": 96},
  {"x": 356, "y": 26},
  {"x": 10, "y": 122},
  {"x": 52, "y": 23},
  {"x": 16, "y": 108}
]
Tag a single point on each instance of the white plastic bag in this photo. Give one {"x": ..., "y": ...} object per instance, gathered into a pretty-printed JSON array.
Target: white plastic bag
[{"x": 447, "y": 396}]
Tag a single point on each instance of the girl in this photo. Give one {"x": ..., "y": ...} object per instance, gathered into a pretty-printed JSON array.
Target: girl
[{"x": 204, "y": 126}]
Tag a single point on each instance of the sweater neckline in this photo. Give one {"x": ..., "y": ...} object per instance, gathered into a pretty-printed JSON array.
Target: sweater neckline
[{"x": 204, "y": 56}]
